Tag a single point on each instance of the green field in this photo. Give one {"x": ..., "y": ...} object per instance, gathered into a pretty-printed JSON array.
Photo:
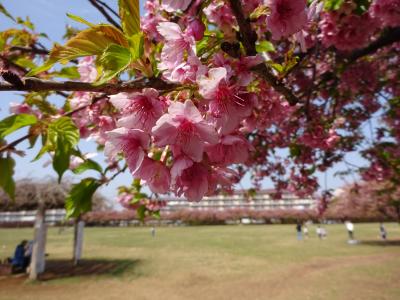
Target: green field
[{"x": 214, "y": 262}]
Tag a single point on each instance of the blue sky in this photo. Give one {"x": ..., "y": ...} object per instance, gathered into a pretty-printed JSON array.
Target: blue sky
[{"x": 49, "y": 16}]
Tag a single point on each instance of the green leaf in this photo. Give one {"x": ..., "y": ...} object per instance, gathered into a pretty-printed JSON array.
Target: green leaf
[
  {"x": 88, "y": 165},
  {"x": 24, "y": 62},
  {"x": 4, "y": 11},
  {"x": 141, "y": 212},
  {"x": 62, "y": 156},
  {"x": 15, "y": 122},
  {"x": 136, "y": 45},
  {"x": 114, "y": 60},
  {"x": 362, "y": 6},
  {"x": 259, "y": 11},
  {"x": 79, "y": 200},
  {"x": 91, "y": 41},
  {"x": 80, "y": 20},
  {"x": 6, "y": 176},
  {"x": 295, "y": 150},
  {"x": 40, "y": 101},
  {"x": 333, "y": 4},
  {"x": 278, "y": 67},
  {"x": 265, "y": 46},
  {"x": 130, "y": 16},
  {"x": 27, "y": 23},
  {"x": 66, "y": 128},
  {"x": 62, "y": 137},
  {"x": 68, "y": 72}
]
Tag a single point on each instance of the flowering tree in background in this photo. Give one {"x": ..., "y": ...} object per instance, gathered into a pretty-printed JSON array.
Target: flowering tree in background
[
  {"x": 366, "y": 201},
  {"x": 195, "y": 94}
]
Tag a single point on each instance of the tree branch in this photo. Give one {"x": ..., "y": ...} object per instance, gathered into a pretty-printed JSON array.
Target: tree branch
[
  {"x": 387, "y": 38},
  {"x": 33, "y": 50},
  {"x": 249, "y": 38},
  {"x": 105, "y": 13},
  {"x": 15, "y": 143},
  {"x": 109, "y": 8},
  {"x": 33, "y": 84}
]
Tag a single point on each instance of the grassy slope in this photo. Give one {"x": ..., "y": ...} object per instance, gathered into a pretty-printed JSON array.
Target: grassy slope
[{"x": 226, "y": 262}]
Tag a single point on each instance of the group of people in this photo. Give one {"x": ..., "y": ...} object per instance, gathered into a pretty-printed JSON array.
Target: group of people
[
  {"x": 322, "y": 233},
  {"x": 22, "y": 256},
  {"x": 303, "y": 229}
]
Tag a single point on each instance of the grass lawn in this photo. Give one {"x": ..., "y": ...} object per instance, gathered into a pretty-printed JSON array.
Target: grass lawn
[{"x": 215, "y": 262}]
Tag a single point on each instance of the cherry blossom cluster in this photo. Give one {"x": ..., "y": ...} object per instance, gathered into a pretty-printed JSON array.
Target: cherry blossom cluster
[
  {"x": 225, "y": 120},
  {"x": 230, "y": 112}
]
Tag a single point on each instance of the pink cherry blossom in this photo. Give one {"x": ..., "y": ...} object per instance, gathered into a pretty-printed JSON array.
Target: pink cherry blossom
[
  {"x": 155, "y": 174},
  {"x": 80, "y": 99},
  {"x": 231, "y": 150},
  {"x": 184, "y": 127},
  {"x": 176, "y": 45},
  {"x": 387, "y": 11},
  {"x": 287, "y": 17},
  {"x": 227, "y": 103},
  {"x": 139, "y": 110},
  {"x": 189, "y": 179},
  {"x": 219, "y": 13},
  {"x": 20, "y": 108},
  {"x": 125, "y": 200},
  {"x": 131, "y": 142},
  {"x": 173, "y": 5},
  {"x": 186, "y": 72},
  {"x": 87, "y": 69},
  {"x": 223, "y": 178},
  {"x": 196, "y": 29},
  {"x": 346, "y": 31}
]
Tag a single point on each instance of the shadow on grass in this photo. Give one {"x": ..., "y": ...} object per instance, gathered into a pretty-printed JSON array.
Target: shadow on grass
[
  {"x": 381, "y": 243},
  {"x": 57, "y": 269}
]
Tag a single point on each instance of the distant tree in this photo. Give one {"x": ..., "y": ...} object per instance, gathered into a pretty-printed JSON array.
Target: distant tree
[
  {"x": 366, "y": 201},
  {"x": 29, "y": 192}
]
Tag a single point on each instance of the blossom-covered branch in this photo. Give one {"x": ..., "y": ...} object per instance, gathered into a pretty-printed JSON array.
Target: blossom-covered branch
[
  {"x": 249, "y": 38},
  {"x": 39, "y": 85}
]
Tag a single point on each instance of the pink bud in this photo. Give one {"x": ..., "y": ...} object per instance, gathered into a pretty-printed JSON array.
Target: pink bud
[{"x": 196, "y": 29}]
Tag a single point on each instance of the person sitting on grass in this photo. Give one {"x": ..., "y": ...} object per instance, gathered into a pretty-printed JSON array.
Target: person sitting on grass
[{"x": 18, "y": 261}]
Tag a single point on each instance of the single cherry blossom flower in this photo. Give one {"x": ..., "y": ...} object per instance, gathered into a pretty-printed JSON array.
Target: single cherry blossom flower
[
  {"x": 139, "y": 110},
  {"x": 232, "y": 149},
  {"x": 184, "y": 127},
  {"x": 155, "y": 174},
  {"x": 287, "y": 17},
  {"x": 176, "y": 45},
  {"x": 131, "y": 142},
  {"x": 189, "y": 179}
]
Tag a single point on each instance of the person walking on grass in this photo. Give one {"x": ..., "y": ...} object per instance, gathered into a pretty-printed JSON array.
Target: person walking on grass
[
  {"x": 299, "y": 231},
  {"x": 305, "y": 231},
  {"x": 350, "y": 230},
  {"x": 383, "y": 232},
  {"x": 319, "y": 232}
]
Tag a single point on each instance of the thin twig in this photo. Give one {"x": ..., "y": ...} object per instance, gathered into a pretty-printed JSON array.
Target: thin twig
[
  {"x": 109, "y": 8},
  {"x": 104, "y": 13},
  {"x": 15, "y": 143}
]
